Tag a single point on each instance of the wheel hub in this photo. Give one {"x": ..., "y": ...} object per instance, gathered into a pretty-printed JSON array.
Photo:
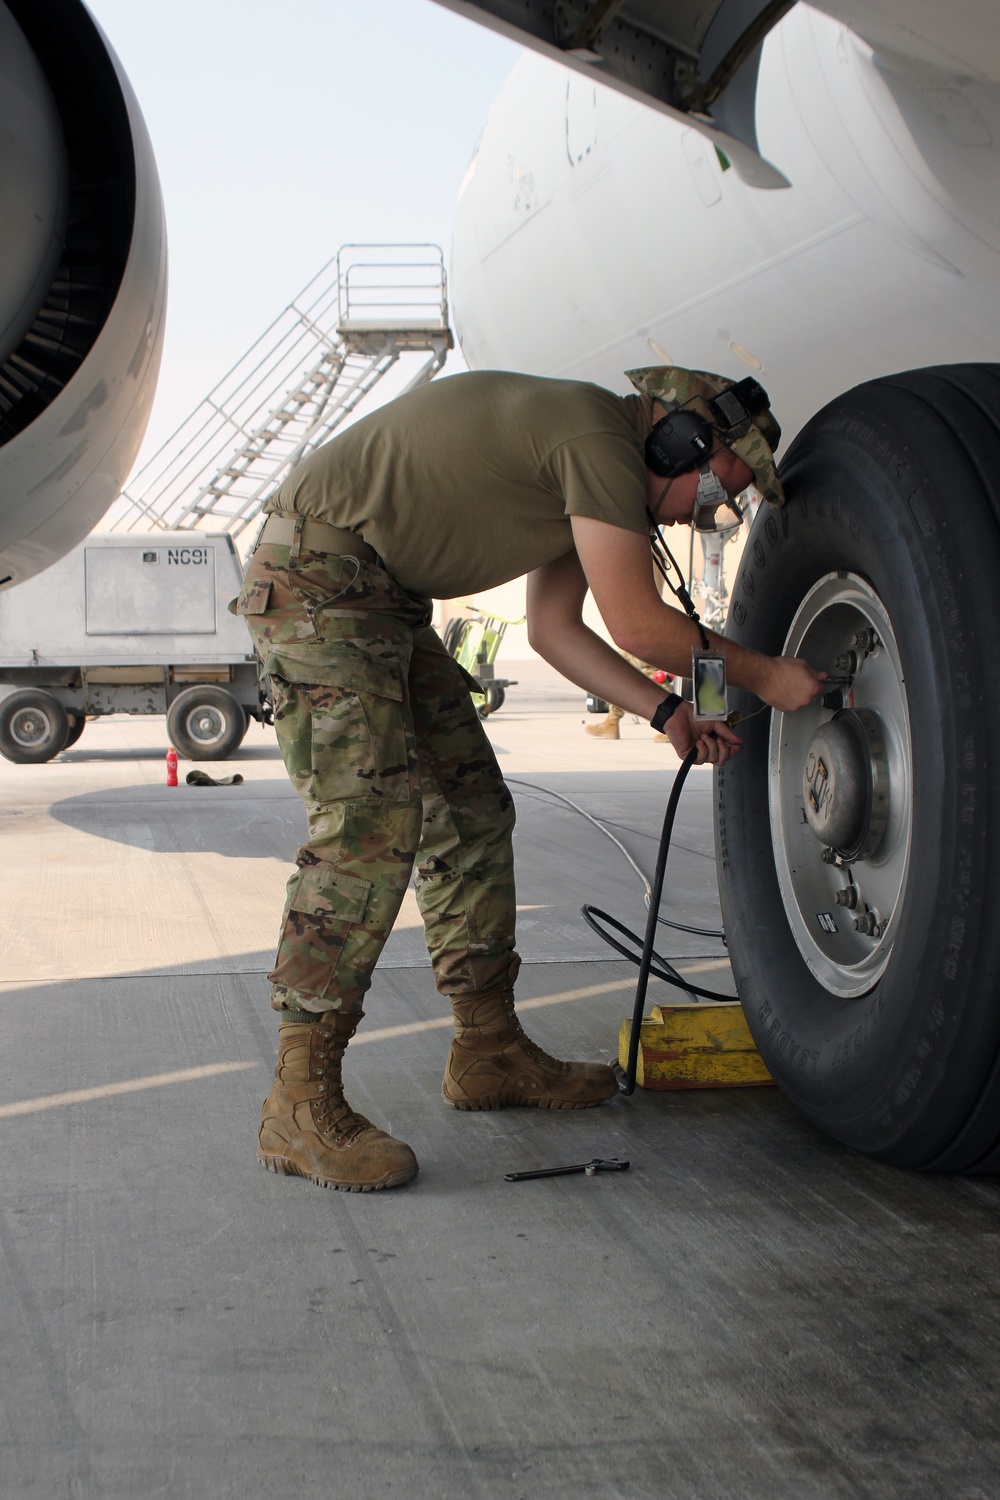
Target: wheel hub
[
  {"x": 206, "y": 725},
  {"x": 845, "y": 784},
  {"x": 840, "y": 778},
  {"x": 30, "y": 728}
]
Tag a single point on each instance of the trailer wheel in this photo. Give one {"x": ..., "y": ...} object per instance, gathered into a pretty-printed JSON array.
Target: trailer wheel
[
  {"x": 33, "y": 727},
  {"x": 77, "y": 724},
  {"x": 857, "y": 842},
  {"x": 206, "y": 723},
  {"x": 453, "y": 633}
]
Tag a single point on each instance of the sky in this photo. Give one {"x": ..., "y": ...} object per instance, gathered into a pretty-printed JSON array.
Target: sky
[{"x": 283, "y": 129}]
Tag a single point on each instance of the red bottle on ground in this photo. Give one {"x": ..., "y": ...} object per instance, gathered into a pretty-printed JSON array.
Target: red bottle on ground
[{"x": 171, "y": 767}]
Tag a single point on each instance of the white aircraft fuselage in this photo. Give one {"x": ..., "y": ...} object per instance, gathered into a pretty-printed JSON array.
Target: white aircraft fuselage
[{"x": 589, "y": 224}]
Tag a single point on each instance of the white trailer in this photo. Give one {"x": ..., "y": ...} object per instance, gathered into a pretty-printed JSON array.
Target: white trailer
[{"x": 133, "y": 624}]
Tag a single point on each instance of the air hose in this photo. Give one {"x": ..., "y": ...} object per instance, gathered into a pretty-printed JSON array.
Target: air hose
[
  {"x": 649, "y": 961},
  {"x": 661, "y": 968}
]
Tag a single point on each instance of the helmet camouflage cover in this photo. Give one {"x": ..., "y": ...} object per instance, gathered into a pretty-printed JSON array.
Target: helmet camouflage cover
[{"x": 676, "y": 387}]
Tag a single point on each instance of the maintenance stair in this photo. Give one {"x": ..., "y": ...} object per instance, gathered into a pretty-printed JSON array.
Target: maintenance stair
[{"x": 316, "y": 365}]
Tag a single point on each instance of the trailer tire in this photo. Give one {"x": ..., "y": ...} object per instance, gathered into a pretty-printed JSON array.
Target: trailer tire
[
  {"x": 453, "y": 632},
  {"x": 206, "y": 723},
  {"x": 886, "y": 1037},
  {"x": 33, "y": 727},
  {"x": 77, "y": 724}
]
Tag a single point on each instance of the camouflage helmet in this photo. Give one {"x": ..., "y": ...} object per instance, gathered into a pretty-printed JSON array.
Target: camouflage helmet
[{"x": 693, "y": 389}]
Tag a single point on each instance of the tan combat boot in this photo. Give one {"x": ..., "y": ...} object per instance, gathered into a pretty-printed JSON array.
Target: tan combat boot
[
  {"x": 492, "y": 1063},
  {"x": 307, "y": 1127},
  {"x": 607, "y": 729}
]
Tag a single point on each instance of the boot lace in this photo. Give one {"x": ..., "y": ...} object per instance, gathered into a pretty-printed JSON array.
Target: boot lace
[
  {"x": 331, "y": 1112},
  {"x": 541, "y": 1057},
  {"x": 531, "y": 1049}
]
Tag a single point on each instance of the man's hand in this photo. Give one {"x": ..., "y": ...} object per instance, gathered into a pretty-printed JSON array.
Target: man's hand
[
  {"x": 714, "y": 739},
  {"x": 791, "y": 683}
]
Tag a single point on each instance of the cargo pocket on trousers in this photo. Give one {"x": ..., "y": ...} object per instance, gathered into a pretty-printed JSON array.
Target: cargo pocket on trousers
[
  {"x": 322, "y": 907},
  {"x": 341, "y": 725},
  {"x": 253, "y": 599}
]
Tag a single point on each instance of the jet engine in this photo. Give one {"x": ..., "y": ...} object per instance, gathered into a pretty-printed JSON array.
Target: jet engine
[{"x": 82, "y": 280}]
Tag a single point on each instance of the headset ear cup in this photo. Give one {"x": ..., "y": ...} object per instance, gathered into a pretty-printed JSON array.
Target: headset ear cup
[
  {"x": 654, "y": 460},
  {"x": 677, "y": 443}
]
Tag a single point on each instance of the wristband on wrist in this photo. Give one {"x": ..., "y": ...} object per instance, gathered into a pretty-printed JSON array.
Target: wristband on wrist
[{"x": 670, "y": 705}]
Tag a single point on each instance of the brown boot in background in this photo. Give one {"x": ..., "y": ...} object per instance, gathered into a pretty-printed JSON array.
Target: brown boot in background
[
  {"x": 607, "y": 729},
  {"x": 307, "y": 1127},
  {"x": 492, "y": 1063}
]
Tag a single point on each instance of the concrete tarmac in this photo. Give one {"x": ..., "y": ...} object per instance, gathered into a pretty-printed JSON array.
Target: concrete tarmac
[{"x": 751, "y": 1311}]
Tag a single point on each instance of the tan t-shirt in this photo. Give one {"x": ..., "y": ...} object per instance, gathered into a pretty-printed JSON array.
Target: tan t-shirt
[{"x": 470, "y": 481}]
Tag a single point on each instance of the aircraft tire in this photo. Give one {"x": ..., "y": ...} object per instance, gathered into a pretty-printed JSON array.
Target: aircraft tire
[
  {"x": 206, "y": 723},
  {"x": 887, "y": 1037},
  {"x": 33, "y": 727}
]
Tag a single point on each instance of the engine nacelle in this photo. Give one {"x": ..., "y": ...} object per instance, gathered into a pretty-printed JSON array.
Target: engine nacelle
[{"x": 82, "y": 284}]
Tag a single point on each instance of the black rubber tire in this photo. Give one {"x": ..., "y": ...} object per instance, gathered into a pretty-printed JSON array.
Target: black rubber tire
[
  {"x": 496, "y": 696},
  {"x": 33, "y": 727},
  {"x": 453, "y": 632},
  {"x": 77, "y": 724},
  {"x": 220, "y": 733},
  {"x": 898, "y": 481}
]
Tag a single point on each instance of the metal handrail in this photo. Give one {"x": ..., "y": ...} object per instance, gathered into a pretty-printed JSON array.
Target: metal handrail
[
  {"x": 308, "y": 372},
  {"x": 357, "y": 301}
]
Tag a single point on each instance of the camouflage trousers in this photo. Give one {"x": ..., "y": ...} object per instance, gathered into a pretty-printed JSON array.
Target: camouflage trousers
[{"x": 384, "y": 746}]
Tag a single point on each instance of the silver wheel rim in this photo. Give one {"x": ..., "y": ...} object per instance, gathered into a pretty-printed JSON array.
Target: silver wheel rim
[
  {"x": 205, "y": 725},
  {"x": 849, "y": 771},
  {"x": 30, "y": 728}
]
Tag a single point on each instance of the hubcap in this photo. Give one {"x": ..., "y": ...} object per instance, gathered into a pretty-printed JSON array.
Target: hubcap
[
  {"x": 206, "y": 725},
  {"x": 845, "y": 784},
  {"x": 840, "y": 776},
  {"x": 30, "y": 728}
]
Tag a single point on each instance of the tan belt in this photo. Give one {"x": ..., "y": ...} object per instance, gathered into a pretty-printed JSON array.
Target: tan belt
[{"x": 317, "y": 536}]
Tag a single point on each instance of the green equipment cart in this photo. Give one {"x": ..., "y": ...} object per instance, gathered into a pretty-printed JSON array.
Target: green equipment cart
[{"x": 474, "y": 642}]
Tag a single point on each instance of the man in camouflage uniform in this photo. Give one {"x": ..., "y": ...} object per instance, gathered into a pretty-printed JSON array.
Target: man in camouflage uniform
[{"x": 448, "y": 490}]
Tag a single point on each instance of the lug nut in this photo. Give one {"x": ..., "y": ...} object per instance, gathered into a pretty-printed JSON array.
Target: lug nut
[
  {"x": 848, "y": 663},
  {"x": 831, "y": 857},
  {"x": 847, "y": 897}
]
